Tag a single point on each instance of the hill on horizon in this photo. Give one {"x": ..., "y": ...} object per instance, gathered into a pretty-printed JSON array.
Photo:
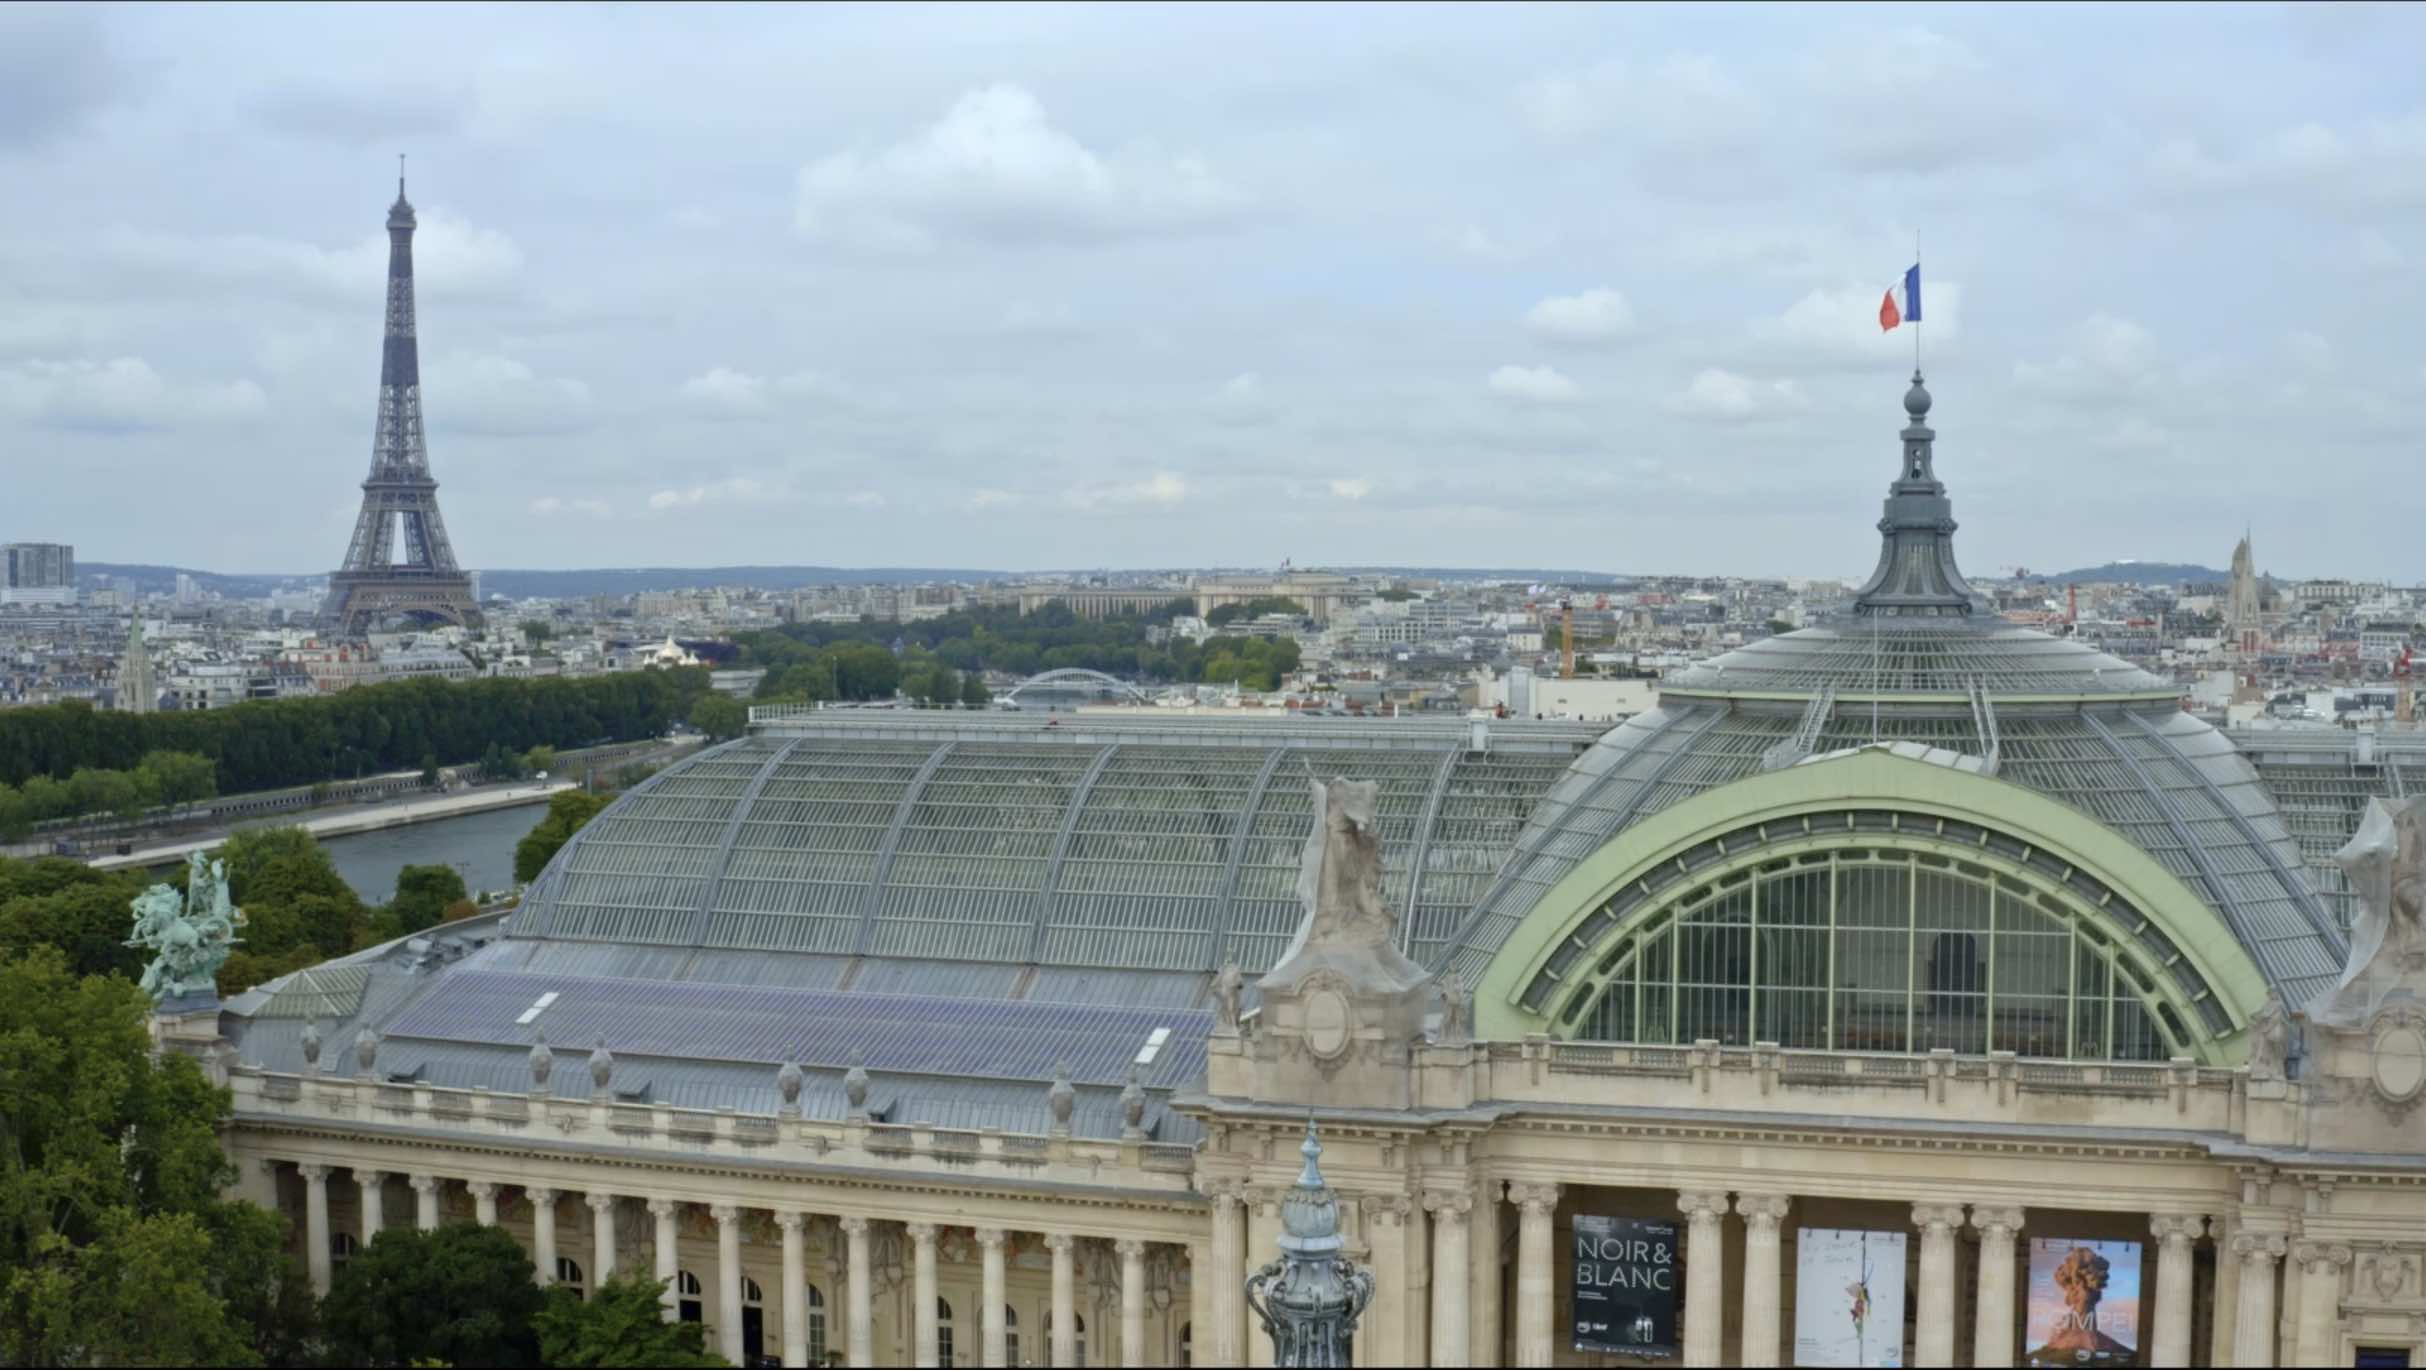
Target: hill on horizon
[{"x": 2138, "y": 573}]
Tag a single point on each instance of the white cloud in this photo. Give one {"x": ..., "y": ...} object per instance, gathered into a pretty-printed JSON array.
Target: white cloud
[
  {"x": 1246, "y": 385},
  {"x": 501, "y": 397},
  {"x": 1534, "y": 384},
  {"x": 1162, "y": 489},
  {"x": 864, "y": 499},
  {"x": 452, "y": 259},
  {"x": 1677, "y": 102},
  {"x": 730, "y": 490},
  {"x": 995, "y": 168},
  {"x": 551, "y": 506},
  {"x": 1599, "y": 315},
  {"x": 118, "y": 395},
  {"x": 992, "y": 499},
  {"x": 1473, "y": 240},
  {"x": 726, "y": 394},
  {"x": 2374, "y": 252},
  {"x": 1721, "y": 394},
  {"x": 695, "y": 218},
  {"x": 2105, "y": 358},
  {"x": 2310, "y": 350},
  {"x": 1839, "y": 327},
  {"x": 1351, "y": 487},
  {"x": 1914, "y": 101},
  {"x": 2380, "y": 161}
]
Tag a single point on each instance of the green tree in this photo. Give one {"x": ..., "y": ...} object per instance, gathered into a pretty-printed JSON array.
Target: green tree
[
  {"x": 1255, "y": 608},
  {"x": 973, "y": 691},
  {"x": 16, "y": 820},
  {"x": 621, "y": 1324},
  {"x": 537, "y": 630},
  {"x": 422, "y": 895},
  {"x": 719, "y": 716},
  {"x": 115, "y": 1245},
  {"x": 460, "y": 1294},
  {"x": 539, "y": 758},
  {"x": 566, "y": 813},
  {"x": 429, "y": 769},
  {"x": 82, "y": 913}
]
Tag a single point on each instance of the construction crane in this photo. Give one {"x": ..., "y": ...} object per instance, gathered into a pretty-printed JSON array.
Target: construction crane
[{"x": 1566, "y": 638}]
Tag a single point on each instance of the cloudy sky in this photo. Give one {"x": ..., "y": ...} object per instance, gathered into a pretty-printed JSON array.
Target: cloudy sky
[{"x": 1038, "y": 287}]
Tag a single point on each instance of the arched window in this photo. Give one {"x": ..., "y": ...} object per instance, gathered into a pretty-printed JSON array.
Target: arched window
[
  {"x": 1010, "y": 1335},
  {"x": 1862, "y": 949},
  {"x": 1078, "y": 1339},
  {"x": 817, "y": 1326},
  {"x": 943, "y": 1334},
  {"x": 341, "y": 1246},
  {"x": 753, "y": 1321},
  {"x": 688, "y": 1305},
  {"x": 568, "y": 1274}
]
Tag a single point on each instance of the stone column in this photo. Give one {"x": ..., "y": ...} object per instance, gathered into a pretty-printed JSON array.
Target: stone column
[
  {"x": 863, "y": 1294},
  {"x": 2227, "y": 1293},
  {"x": 669, "y": 1257},
  {"x": 602, "y": 1238},
  {"x": 484, "y": 1202},
  {"x": 2320, "y": 1334},
  {"x": 2169, "y": 1338},
  {"x": 1450, "y": 1246},
  {"x": 795, "y": 1288},
  {"x": 543, "y": 1233},
  {"x": 2253, "y": 1320},
  {"x": 1762, "y": 1213},
  {"x": 1065, "y": 1304},
  {"x": 1992, "y": 1324},
  {"x": 374, "y": 1200},
  {"x": 989, "y": 1242},
  {"x": 316, "y": 1225},
  {"x": 1483, "y": 1281},
  {"x": 425, "y": 1202},
  {"x": 926, "y": 1347},
  {"x": 1536, "y": 1273},
  {"x": 728, "y": 1280},
  {"x": 1227, "y": 1344},
  {"x": 1705, "y": 1276},
  {"x": 1933, "y": 1323},
  {"x": 1132, "y": 1301}
]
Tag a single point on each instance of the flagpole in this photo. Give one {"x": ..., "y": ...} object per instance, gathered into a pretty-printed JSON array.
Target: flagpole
[{"x": 1916, "y": 323}]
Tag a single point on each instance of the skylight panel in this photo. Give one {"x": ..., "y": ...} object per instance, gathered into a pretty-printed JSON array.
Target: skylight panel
[
  {"x": 537, "y": 1007},
  {"x": 1153, "y": 1046}
]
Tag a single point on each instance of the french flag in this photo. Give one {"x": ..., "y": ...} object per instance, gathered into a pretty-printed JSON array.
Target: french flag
[{"x": 1902, "y": 303}]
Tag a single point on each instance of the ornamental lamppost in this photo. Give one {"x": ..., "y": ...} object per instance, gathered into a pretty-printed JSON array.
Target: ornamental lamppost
[{"x": 1309, "y": 1299}]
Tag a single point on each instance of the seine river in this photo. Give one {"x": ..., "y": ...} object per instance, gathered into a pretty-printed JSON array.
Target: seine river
[{"x": 479, "y": 845}]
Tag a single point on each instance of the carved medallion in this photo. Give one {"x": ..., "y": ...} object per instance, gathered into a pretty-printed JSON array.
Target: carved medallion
[
  {"x": 1327, "y": 1023},
  {"x": 2397, "y": 1057}
]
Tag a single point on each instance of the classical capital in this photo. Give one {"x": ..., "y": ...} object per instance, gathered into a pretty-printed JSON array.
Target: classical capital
[
  {"x": 658, "y": 1208},
  {"x": 1534, "y": 1198},
  {"x": 2172, "y": 1228},
  {"x": 425, "y": 1184},
  {"x": 1763, "y": 1212},
  {"x": 1699, "y": 1205},
  {"x": 315, "y": 1172},
  {"x": 724, "y": 1214},
  {"x": 790, "y": 1220},
  {"x": 480, "y": 1189},
  {"x": 921, "y": 1233},
  {"x": 1448, "y": 1206},
  {"x": 2320, "y": 1259},
  {"x": 600, "y": 1204},
  {"x": 1939, "y": 1219},
  {"x": 990, "y": 1238},
  {"x": 853, "y": 1226},
  {"x": 1129, "y": 1246},
  {"x": 2258, "y": 1248},
  {"x": 539, "y": 1195},
  {"x": 1058, "y": 1242},
  {"x": 370, "y": 1179},
  {"x": 1996, "y": 1222}
]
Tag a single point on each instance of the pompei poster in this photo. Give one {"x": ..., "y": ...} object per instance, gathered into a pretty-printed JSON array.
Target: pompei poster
[
  {"x": 1626, "y": 1285},
  {"x": 2084, "y": 1302},
  {"x": 1848, "y": 1297}
]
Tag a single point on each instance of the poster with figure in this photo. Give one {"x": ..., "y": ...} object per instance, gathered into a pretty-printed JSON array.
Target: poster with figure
[
  {"x": 1848, "y": 1297},
  {"x": 2084, "y": 1302},
  {"x": 1626, "y": 1285}
]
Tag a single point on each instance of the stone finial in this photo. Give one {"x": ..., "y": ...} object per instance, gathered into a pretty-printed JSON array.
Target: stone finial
[
  {"x": 311, "y": 1044},
  {"x": 787, "y": 1083},
  {"x": 602, "y": 1066},
  {"x": 1061, "y": 1098},
  {"x": 855, "y": 1086},
  {"x": 1133, "y": 1106},
  {"x": 543, "y": 1063},
  {"x": 366, "y": 1050}
]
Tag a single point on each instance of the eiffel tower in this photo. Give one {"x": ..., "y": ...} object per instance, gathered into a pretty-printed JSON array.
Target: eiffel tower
[{"x": 375, "y": 583}]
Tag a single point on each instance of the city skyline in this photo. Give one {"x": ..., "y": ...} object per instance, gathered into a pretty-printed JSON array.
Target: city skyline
[{"x": 1552, "y": 287}]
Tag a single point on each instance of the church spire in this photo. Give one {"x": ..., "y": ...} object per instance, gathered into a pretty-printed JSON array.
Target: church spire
[{"x": 1916, "y": 574}]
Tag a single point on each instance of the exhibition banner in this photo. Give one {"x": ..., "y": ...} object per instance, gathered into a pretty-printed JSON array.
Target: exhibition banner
[
  {"x": 1625, "y": 1285},
  {"x": 2084, "y": 1302},
  {"x": 1848, "y": 1297}
]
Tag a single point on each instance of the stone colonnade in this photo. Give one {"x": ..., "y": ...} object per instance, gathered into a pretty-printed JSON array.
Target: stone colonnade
[{"x": 791, "y": 1321}]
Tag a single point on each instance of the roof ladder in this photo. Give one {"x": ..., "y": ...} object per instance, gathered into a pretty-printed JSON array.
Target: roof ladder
[
  {"x": 1805, "y": 738},
  {"x": 1983, "y": 717}
]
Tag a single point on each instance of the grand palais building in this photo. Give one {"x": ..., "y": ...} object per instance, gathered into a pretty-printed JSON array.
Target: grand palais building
[{"x": 1915, "y": 990}]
